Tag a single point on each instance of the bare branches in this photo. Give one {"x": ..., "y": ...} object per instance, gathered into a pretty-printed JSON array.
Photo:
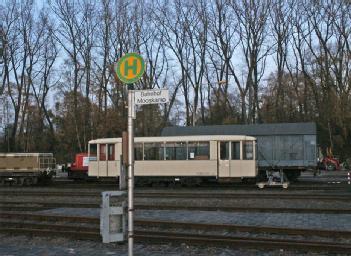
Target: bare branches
[{"x": 224, "y": 61}]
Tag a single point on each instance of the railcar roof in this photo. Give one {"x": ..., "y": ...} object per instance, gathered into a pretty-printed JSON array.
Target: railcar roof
[
  {"x": 177, "y": 138},
  {"x": 25, "y": 154},
  {"x": 246, "y": 129}
]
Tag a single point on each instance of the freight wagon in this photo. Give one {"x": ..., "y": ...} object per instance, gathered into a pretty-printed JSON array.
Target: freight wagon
[
  {"x": 26, "y": 168},
  {"x": 290, "y": 147}
]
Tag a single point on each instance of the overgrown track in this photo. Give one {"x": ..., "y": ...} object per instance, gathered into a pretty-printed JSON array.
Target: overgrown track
[
  {"x": 13, "y": 216},
  {"x": 186, "y": 195},
  {"x": 47, "y": 217},
  {"x": 18, "y": 223},
  {"x": 302, "y": 185},
  {"x": 240, "y": 228},
  {"x": 37, "y": 206},
  {"x": 50, "y": 225},
  {"x": 243, "y": 209},
  {"x": 239, "y": 242}
]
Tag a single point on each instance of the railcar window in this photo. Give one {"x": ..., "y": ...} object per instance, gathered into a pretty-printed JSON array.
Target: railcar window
[
  {"x": 102, "y": 152},
  {"x": 93, "y": 152},
  {"x": 248, "y": 150},
  {"x": 153, "y": 151},
  {"x": 111, "y": 152},
  {"x": 235, "y": 150},
  {"x": 138, "y": 151},
  {"x": 199, "y": 150},
  {"x": 224, "y": 147},
  {"x": 175, "y": 150}
]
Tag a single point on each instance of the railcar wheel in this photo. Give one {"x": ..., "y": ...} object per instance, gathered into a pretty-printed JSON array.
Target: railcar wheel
[
  {"x": 28, "y": 181},
  {"x": 292, "y": 176},
  {"x": 35, "y": 181},
  {"x": 330, "y": 167},
  {"x": 262, "y": 176},
  {"x": 191, "y": 182},
  {"x": 16, "y": 181},
  {"x": 20, "y": 181}
]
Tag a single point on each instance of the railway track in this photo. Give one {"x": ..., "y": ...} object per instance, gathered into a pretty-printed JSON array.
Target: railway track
[
  {"x": 171, "y": 224},
  {"x": 301, "y": 185},
  {"x": 16, "y": 225},
  {"x": 239, "y": 242},
  {"x": 327, "y": 187},
  {"x": 241, "y": 228},
  {"x": 186, "y": 195},
  {"x": 38, "y": 206}
]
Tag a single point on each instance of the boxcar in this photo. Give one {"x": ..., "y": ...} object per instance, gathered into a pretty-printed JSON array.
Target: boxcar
[
  {"x": 25, "y": 168},
  {"x": 290, "y": 147},
  {"x": 185, "y": 159}
]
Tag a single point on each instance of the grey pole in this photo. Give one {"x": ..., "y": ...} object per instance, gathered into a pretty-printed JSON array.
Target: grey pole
[{"x": 130, "y": 171}]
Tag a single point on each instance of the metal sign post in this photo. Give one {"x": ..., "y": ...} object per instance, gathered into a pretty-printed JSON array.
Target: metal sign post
[
  {"x": 130, "y": 171},
  {"x": 130, "y": 69}
]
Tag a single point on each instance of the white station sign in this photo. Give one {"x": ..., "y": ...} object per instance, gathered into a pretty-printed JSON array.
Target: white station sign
[{"x": 142, "y": 97}]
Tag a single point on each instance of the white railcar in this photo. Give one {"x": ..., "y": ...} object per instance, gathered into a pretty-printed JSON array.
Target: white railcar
[{"x": 181, "y": 158}]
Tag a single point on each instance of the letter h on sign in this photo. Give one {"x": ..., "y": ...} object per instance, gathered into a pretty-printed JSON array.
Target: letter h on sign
[{"x": 132, "y": 67}]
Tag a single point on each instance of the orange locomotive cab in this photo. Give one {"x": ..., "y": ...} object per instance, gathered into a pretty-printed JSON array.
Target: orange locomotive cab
[{"x": 79, "y": 169}]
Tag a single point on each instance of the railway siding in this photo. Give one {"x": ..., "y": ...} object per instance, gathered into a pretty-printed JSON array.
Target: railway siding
[{"x": 236, "y": 217}]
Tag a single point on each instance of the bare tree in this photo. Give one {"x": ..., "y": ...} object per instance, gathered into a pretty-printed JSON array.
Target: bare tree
[
  {"x": 221, "y": 47},
  {"x": 69, "y": 32},
  {"x": 19, "y": 54},
  {"x": 44, "y": 80},
  {"x": 280, "y": 14},
  {"x": 252, "y": 17}
]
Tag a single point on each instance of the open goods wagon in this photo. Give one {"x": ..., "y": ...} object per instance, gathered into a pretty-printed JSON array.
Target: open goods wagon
[
  {"x": 26, "y": 168},
  {"x": 287, "y": 147}
]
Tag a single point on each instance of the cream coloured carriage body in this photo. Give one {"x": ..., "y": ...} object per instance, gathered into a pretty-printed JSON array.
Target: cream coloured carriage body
[{"x": 218, "y": 156}]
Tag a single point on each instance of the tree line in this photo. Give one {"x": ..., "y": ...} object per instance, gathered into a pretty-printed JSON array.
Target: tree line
[{"x": 224, "y": 62}]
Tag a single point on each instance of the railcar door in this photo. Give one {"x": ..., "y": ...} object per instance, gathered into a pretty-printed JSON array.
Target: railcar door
[
  {"x": 248, "y": 163},
  {"x": 223, "y": 159},
  {"x": 235, "y": 159}
]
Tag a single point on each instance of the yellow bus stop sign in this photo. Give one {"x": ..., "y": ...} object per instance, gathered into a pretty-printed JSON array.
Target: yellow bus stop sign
[{"x": 130, "y": 68}]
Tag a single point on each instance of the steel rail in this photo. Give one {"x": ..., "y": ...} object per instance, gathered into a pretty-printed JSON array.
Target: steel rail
[
  {"x": 92, "y": 233},
  {"x": 195, "y": 239},
  {"x": 188, "y": 195},
  {"x": 242, "y": 228},
  {"x": 301, "y": 186},
  {"x": 182, "y": 225},
  {"x": 36, "y": 206},
  {"x": 55, "y": 227},
  {"x": 51, "y": 232},
  {"x": 48, "y": 217},
  {"x": 242, "y": 209}
]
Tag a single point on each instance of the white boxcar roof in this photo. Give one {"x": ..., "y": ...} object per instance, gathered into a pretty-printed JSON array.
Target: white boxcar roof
[
  {"x": 176, "y": 138},
  {"x": 243, "y": 129}
]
